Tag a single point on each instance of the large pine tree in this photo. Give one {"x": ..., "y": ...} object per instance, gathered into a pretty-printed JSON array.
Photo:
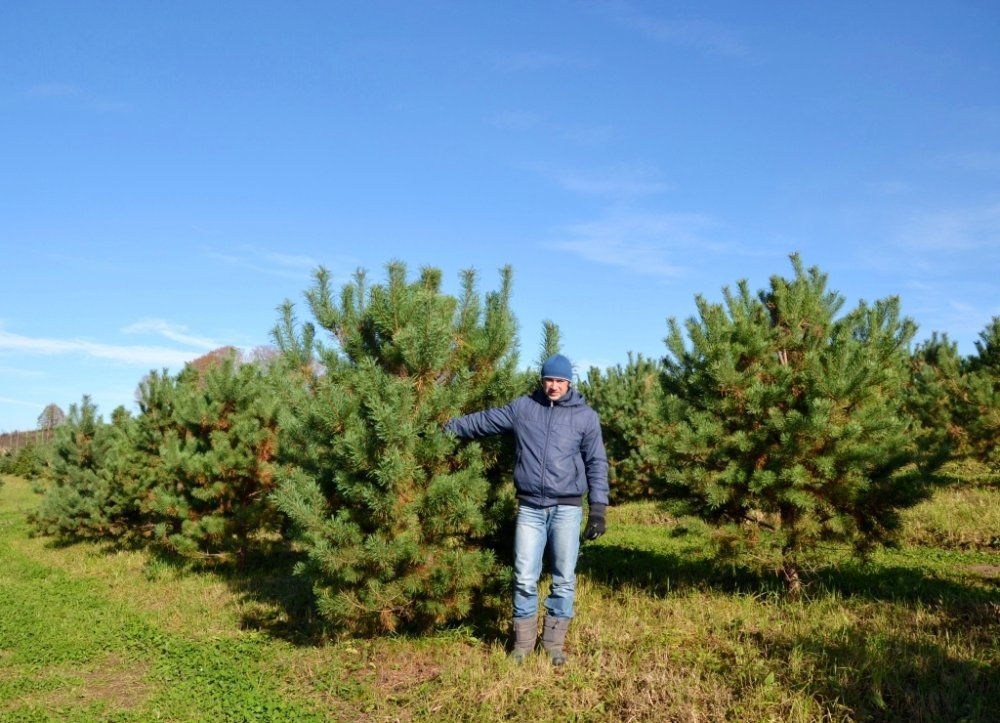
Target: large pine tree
[
  {"x": 789, "y": 419},
  {"x": 396, "y": 518}
]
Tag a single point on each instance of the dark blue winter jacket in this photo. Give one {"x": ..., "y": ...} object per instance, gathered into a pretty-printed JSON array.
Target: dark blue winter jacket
[{"x": 559, "y": 450}]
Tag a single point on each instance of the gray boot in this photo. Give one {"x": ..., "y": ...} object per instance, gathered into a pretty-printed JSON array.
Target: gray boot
[
  {"x": 553, "y": 636},
  {"x": 525, "y": 634}
]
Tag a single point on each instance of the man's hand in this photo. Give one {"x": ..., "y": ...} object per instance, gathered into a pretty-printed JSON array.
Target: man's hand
[{"x": 595, "y": 527}]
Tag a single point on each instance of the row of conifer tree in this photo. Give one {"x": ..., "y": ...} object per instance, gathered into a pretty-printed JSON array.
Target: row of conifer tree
[{"x": 774, "y": 415}]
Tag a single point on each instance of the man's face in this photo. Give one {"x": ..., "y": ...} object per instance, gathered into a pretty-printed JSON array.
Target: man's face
[{"x": 555, "y": 388}]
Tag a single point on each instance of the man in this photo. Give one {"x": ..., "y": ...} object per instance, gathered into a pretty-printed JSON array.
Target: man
[{"x": 559, "y": 457}]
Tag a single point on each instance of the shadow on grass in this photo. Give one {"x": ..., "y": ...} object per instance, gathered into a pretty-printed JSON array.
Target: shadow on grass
[
  {"x": 897, "y": 678},
  {"x": 874, "y": 670},
  {"x": 661, "y": 573},
  {"x": 276, "y": 601},
  {"x": 281, "y": 604},
  {"x": 271, "y": 597}
]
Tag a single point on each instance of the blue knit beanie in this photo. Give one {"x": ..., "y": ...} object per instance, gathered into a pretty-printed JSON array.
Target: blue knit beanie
[{"x": 557, "y": 367}]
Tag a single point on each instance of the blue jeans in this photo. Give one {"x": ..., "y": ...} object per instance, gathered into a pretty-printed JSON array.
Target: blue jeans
[{"x": 556, "y": 529}]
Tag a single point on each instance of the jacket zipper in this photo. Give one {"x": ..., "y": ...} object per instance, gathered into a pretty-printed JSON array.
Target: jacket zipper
[{"x": 545, "y": 451}]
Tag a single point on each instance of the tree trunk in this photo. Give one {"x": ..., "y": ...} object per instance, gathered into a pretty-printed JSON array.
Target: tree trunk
[{"x": 793, "y": 584}]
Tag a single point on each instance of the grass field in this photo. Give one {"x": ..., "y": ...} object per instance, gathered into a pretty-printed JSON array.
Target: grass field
[{"x": 89, "y": 633}]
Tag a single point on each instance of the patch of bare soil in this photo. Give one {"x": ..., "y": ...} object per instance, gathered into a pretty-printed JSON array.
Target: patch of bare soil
[
  {"x": 403, "y": 672},
  {"x": 379, "y": 672},
  {"x": 992, "y": 571},
  {"x": 113, "y": 683}
]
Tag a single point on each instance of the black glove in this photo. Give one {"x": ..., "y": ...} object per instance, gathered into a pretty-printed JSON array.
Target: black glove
[{"x": 595, "y": 527}]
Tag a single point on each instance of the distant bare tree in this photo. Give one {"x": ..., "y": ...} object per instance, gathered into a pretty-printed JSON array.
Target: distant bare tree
[
  {"x": 51, "y": 417},
  {"x": 264, "y": 356}
]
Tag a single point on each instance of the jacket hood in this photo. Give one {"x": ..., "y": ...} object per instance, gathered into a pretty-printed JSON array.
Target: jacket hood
[{"x": 572, "y": 398}]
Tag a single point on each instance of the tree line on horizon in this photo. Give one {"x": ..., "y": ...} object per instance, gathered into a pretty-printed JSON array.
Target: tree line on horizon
[{"x": 775, "y": 416}]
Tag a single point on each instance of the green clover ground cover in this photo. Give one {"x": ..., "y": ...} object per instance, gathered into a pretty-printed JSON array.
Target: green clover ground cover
[
  {"x": 664, "y": 632},
  {"x": 69, "y": 651}
]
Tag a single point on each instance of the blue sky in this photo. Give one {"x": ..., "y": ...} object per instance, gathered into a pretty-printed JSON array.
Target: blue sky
[{"x": 173, "y": 171}]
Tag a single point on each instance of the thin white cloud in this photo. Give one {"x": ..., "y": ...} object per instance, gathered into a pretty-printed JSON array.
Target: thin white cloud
[
  {"x": 78, "y": 94},
  {"x": 888, "y": 187},
  {"x": 516, "y": 120},
  {"x": 17, "y": 372},
  {"x": 973, "y": 161},
  {"x": 18, "y": 402},
  {"x": 983, "y": 116},
  {"x": 171, "y": 331},
  {"x": 918, "y": 285},
  {"x": 934, "y": 258},
  {"x": 145, "y": 356},
  {"x": 296, "y": 261},
  {"x": 641, "y": 243},
  {"x": 55, "y": 90},
  {"x": 962, "y": 307},
  {"x": 702, "y": 34},
  {"x": 526, "y": 120},
  {"x": 538, "y": 60},
  {"x": 289, "y": 266},
  {"x": 615, "y": 181},
  {"x": 952, "y": 230},
  {"x": 587, "y": 135}
]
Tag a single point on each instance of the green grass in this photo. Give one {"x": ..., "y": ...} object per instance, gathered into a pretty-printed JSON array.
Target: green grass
[{"x": 663, "y": 633}]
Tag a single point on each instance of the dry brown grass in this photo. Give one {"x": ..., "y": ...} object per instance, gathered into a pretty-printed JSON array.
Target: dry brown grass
[
  {"x": 107, "y": 683},
  {"x": 911, "y": 636}
]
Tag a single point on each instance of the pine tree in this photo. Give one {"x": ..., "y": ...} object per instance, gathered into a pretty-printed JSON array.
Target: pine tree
[
  {"x": 938, "y": 398},
  {"x": 395, "y": 516},
  {"x": 982, "y": 386},
  {"x": 80, "y": 479},
  {"x": 630, "y": 402},
  {"x": 216, "y": 447},
  {"x": 551, "y": 341},
  {"x": 29, "y": 461},
  {"x": 790, "y": 419}
]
